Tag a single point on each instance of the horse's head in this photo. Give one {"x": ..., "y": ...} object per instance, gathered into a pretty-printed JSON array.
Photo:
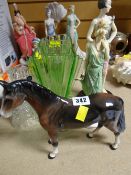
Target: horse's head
[{"x": 10, "y": 98}]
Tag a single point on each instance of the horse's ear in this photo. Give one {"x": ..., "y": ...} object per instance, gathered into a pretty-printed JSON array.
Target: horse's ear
[{"x": 29, "y": 78}]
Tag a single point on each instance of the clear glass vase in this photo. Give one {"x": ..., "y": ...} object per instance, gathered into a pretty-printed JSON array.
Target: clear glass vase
[{"x": 24, "y": 116}]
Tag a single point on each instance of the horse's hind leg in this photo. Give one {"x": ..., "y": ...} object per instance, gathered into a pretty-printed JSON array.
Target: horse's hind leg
[
  {"x": 112, "y": 124},
  {"x": 92, "y": 133},
  {"x": 54, "y": 141}
]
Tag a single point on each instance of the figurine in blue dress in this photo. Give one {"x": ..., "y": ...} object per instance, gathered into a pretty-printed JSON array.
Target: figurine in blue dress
[
  {"x": 49, "y": 25},
  {"x": 72, "y": 24}
]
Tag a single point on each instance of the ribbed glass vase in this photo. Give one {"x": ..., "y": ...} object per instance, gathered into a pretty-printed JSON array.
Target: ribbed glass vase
[{"x": 54, "y": 64}]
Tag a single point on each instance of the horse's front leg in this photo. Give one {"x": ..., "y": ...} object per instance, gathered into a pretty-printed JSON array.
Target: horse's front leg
[{"x": 54, "y": 141}]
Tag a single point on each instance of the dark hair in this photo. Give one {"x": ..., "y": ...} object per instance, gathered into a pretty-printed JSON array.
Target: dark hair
[
  {"x": 102, "y": 4},
  {"x": 16, "y": 12}
]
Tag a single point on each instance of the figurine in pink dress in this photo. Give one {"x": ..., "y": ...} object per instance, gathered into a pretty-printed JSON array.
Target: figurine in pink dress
[{"x": 24, "y": 34}]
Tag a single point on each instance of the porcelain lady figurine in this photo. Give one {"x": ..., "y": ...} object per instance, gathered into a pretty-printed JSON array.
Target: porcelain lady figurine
[
  {"x": 49, "y": 25},
  {"x": 55, "y": 12},
  {"x": 24, "y": 34},
  {"x": 72, "y": 24},
  {"x": 101, "y": 33}
]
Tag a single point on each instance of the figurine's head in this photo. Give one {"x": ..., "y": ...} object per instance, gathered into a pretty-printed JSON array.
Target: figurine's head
[
  {"x": 104, "y": 5},
  {"x": 72, "y": 9},
  {"x": 48, "y": 13},
  {"x": 17, "y": 27}
]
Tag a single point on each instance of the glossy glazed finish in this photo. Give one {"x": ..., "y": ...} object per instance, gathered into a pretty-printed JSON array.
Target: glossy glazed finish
[{"x": 57, "y": 112}]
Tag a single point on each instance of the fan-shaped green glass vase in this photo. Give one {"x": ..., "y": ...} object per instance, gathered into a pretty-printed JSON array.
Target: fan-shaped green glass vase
[{"x": 54, "y": 64}]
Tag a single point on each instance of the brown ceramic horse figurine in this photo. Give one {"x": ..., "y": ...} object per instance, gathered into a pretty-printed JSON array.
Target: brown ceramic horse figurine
[{"x": 56, "y": 112}]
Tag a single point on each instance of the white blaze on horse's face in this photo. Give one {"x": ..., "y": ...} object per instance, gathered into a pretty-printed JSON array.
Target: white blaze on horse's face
[{"x": 1, "y": 91}]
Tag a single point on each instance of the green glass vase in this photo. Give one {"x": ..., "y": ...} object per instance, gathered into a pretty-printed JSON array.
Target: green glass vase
[{"x": 53, "y": 64}]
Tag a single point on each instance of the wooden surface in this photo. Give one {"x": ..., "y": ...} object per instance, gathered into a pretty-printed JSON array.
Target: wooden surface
[{"x": 86, "y": 10}]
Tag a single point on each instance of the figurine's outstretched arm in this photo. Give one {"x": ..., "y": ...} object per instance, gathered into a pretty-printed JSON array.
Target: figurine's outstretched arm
[
  {"x": 55, "y": 25},
  {"x": 21, "y": 19},
  {"x": 15, "y": 6},
  {"x": 114, "y": 32},
  {"x": 45, "y": 29},
  {"x": 78, "y": 22},
  {"x": 90, "y": 31}
]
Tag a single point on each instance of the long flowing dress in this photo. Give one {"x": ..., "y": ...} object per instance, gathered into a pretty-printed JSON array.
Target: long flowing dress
[
  {"x": 72, "y": 33},
  {"x": 93, "y": 79}
]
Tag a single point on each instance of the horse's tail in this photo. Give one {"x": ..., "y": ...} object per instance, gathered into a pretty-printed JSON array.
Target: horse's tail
[{"x": 121, "y": 121}]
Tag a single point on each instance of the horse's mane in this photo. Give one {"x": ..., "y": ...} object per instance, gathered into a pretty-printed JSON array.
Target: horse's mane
[{"x": 22, "y": 85}]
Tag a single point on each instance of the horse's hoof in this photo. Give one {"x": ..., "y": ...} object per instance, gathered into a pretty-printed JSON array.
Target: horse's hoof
[
  {"x": 51, "y": 157},
  {"x": 49, "y": 141},
  {"x": 112, "y": 147},
  {"x": 89, "y": 136}
]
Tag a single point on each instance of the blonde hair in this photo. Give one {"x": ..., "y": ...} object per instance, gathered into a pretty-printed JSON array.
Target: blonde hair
[{"x": 101, "y": 30}]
